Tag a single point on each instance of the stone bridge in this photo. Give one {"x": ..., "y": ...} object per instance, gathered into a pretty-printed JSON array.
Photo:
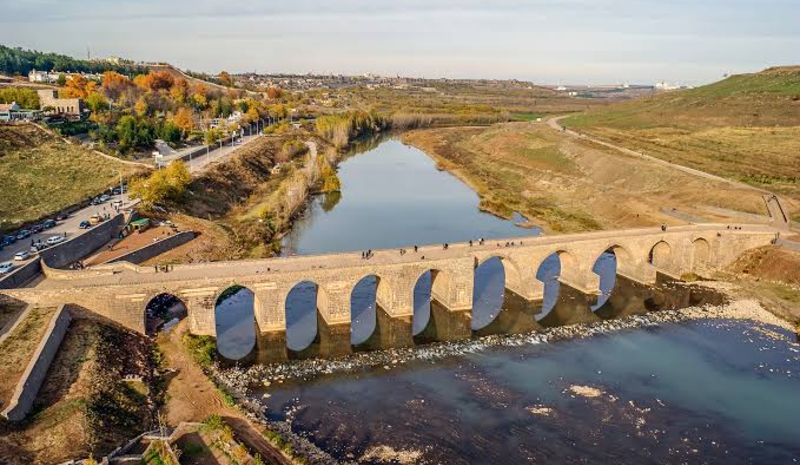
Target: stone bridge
[{"x": 122, "y": 291}]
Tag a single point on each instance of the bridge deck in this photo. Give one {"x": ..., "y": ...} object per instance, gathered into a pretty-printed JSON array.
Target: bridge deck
[{"x": 124, "y": 274}]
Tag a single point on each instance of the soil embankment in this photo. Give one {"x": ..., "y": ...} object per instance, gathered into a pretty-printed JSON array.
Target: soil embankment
[
  {"x": 242, "y": 207},
  {"x": 86, "y": 406}
]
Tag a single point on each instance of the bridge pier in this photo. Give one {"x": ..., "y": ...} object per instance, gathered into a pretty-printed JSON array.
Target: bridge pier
[
  {"x": 390, "y": 332},
  {"x": 628, "y": 297},
  {"x": 271, "y": 347},
  {"x": 517, "y": 316},
  {"x": 446, "y": 325},
  {"x": 572, "y": 307}
]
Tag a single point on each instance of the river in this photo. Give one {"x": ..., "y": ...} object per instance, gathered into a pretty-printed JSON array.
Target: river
[{"x": 698, "y": 392}]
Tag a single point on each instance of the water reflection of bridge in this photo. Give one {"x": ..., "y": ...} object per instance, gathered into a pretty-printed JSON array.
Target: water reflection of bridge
[{"x": 121, "y": 292}]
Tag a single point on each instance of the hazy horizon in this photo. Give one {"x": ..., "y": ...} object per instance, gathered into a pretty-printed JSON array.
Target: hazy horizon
[{"x": 574, "y": 42}]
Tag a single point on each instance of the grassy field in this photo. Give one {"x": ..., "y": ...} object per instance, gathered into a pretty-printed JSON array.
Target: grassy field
[
  {"x": 18, "y": 348},
  {"x": 565, "y": 184},
  {"x": 454, "y": 103},
  {"x": 746, "y": 127},
  {"x": 42, "y": 174}
]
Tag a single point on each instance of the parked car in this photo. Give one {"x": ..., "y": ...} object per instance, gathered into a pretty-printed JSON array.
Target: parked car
[
  {"x": 104, "y": 198},
  {"x": 23, "y": 234},
  {"x": 36, "y": 228},
  {"x": 22, "y": 255},
  {"x": 38, "y": 246},
  {"x": 53, "y": 240},
  {"x": 62, "y": 216},
  {"x": 6, "y": 267},
  {"x": 10, "y": 239},
  {"x": 85, "y": 225},
  {"x": 49, "y": 224}
]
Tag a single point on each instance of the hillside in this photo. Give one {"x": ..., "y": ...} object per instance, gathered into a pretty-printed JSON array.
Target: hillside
[
  {"x": 42, "y": 174},
  {"x": 745, "y": 127}
]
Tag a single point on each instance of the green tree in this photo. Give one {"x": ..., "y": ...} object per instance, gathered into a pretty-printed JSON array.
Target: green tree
[
  {"x": 166, "y": 184},
  {"x": 170, "y": 132},
  {"x": 25, "y": 98},
  {"x": 96, "y": 102}
]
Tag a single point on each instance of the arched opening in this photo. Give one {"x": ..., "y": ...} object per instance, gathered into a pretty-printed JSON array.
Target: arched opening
[
  {"x": 163, "y": 312},
  {"x": 488, "y": 291},
  {"x": 548, "y": 272},
  {"x": 701, "y": 254},
  {"x": 659, "y": 255},
  {"x": 235, "y": 322},
  {"x": 301, "y": 315},
  {"x": 606, "y": 268},
  {"x": 363, "y": 309},
  {"x": 429, "y": 284}
]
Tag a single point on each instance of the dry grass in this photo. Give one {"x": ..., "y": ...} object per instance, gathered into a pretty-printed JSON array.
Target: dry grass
[
  {"x": 84, "y": 406},
  {"x": 42, "y": 174},
  {"x": 746, "y": 127},
  {"x": 18, "y": 348},
  {"x": 565, "y": 184}
]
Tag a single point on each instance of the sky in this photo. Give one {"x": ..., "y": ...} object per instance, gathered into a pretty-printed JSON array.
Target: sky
[{"x": 547, "y": 42}]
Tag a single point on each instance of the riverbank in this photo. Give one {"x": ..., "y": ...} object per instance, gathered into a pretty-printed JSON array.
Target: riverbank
[{"x": 569, "y": 185}]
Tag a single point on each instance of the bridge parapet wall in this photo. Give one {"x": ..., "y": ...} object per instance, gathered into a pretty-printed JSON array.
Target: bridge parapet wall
[{"x": 121, "y": 292}]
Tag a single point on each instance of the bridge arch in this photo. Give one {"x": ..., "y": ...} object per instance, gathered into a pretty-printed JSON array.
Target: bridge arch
[
  {"x": 235, "y": 322},
  {"x": 548, "y": 271},
  {"x": 162, "y": 309},
  {"x": 493, "y": 277},
  {"x": 431, "y": 287},
  {"x": 365, "y": 297},
  {"x": 660, "y": 255},
  {"x": 701, "y": 254},
  {"x": 304, "y": 302}
]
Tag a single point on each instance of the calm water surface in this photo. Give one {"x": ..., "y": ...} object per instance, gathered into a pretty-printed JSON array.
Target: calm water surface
[
  {"x": 702, "y": 392},
  {"x": 699, "y": 392},
  {"x": 393, "y": 196}
]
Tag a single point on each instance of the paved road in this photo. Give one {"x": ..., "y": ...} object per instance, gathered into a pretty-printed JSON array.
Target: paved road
[
  {"x": 199, "y": 164},
  {"x": 70, "y": 226}
]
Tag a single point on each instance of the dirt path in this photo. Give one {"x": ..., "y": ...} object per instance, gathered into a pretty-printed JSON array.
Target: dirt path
[{"x": 192, "y": 397}]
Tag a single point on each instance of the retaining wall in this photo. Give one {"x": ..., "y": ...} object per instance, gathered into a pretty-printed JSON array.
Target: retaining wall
[
  {"x": 20, "y": 276},
  {"x": 80, "y": 246},
  {"x": 156, "y": 248},
  {"x": 34, "y": 375}
]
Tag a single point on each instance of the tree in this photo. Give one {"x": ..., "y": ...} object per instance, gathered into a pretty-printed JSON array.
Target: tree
[
  {"x": 141, "y": 107},
  {"x": 180, "y": 91},
  {"x": 163, "y": 185},
  {"x": 212, "y": 135},
  {"x": 61, "y": 80},
  {"x": 25, "y": 97},
  {"x": 96, "y": 102},
  {"x": 78, "y": 86},
  {"x": 274, "y": 93},
  {"x": 184, "y": 119},
  {"x": 115, "y": 84},
  {"x": 225, "y": 79},
  {"x": 170, "y": 132}
]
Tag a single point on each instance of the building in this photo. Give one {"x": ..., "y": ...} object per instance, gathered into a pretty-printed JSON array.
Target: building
[
  {"x": 42, "y": 77},
  {"x": 13, "y": 112},
  {"x": 8, "y": 110},
  {"x": 48, "y": 99}
]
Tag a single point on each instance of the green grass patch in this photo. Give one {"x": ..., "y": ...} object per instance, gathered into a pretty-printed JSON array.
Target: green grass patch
[{"x": 202, "y": 348}]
